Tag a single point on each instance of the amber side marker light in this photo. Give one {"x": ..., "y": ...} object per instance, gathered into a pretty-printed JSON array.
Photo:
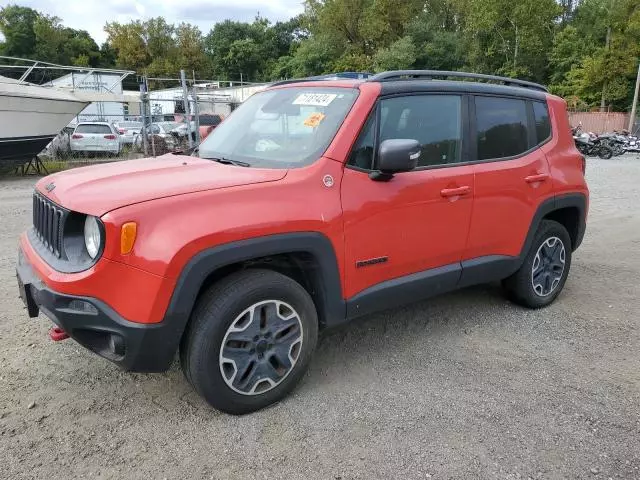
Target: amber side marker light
[{"x": 128, "y": 237}]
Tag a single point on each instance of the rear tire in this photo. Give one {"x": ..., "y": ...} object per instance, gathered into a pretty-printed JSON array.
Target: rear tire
[
  {"x": 543, "y": 273},
  {"x": 250, "y": 340}
]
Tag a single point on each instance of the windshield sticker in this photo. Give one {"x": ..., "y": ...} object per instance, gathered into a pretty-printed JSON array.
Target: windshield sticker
[
  {"x": 314, "y": 119},
  {"x": 266, "y": 145},
  {"x": 315, "y": 99}
]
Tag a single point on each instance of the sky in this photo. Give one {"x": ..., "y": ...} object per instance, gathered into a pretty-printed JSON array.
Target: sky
[{"x": 91, "y": 15}]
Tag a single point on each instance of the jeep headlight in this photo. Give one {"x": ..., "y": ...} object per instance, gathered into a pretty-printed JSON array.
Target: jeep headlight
[{"x": 92, "y": 236}]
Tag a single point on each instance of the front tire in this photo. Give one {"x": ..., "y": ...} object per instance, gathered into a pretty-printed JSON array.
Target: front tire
[
  {"x": 605, "y": 152},
  {"x": 544, "y": 271},
  {"x": 250, "y": 341}
]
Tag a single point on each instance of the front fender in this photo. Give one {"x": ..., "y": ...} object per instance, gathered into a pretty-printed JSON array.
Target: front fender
[
  {"x": 208, "y": 261},
  {"x": 332, "y": 306}
]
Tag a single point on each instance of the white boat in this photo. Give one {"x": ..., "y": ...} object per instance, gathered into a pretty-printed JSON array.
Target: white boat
[{"x": 32, "y": 115}]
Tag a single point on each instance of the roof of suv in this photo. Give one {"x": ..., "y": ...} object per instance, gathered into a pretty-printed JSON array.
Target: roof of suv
[
  {"x": 408, "y": 86},
  {"x": 411, "y": 81}
]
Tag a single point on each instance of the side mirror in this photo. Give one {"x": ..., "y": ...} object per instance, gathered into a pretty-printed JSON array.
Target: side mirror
[{"x": 395, "y": 156}]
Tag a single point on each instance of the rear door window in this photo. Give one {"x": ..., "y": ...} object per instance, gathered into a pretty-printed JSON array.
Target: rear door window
[{"x": 502, "y": 127}]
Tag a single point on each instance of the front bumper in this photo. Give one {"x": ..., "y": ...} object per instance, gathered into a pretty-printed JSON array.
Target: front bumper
[{"x": 97, "y": 327}]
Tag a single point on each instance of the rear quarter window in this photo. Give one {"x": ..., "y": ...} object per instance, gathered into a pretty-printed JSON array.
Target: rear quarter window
[{"x": 543, "y": 122}]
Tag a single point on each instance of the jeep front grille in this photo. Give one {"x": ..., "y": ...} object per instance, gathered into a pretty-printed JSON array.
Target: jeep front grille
[{"x": 48, "y": 223}]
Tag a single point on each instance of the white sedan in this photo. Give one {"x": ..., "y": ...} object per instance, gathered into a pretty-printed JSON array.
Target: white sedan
[{"x": 95, "y": 137}]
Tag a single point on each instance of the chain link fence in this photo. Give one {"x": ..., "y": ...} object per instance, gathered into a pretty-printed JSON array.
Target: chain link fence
[
  {"x": 92, "y": 139},
  {"x": 163, "y": 121}
]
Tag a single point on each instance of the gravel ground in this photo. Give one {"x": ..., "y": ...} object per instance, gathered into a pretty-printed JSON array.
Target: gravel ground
[{"x": 463, "y": 386}]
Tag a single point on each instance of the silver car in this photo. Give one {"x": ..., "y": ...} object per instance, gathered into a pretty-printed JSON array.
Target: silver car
[
  {"x": 167, "y": 131},
  {"x": 128, "y": 130},
  {"x": 95, "y": 137}
]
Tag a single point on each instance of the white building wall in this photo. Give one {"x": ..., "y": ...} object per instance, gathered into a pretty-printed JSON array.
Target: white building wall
[
  {"x": 96, "y": 82},
  {"x": 210, "y": 100}
]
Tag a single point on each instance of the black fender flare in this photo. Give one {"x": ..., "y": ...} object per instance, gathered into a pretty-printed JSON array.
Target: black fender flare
[
  {"x": 196, "y": 271},
  {"x": 498, "y": 267},
  {"x": 576, "y": 200}
]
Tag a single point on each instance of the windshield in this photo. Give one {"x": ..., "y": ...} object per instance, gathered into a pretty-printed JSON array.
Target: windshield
[{"x": 284, "y": 128}]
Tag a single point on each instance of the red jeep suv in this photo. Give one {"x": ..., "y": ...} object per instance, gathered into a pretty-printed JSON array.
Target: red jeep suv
[{"x": 314, "y": 203}]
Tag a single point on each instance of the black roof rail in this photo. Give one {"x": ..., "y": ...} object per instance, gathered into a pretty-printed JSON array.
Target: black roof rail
[
  {"x": 435, "y": 74},
  {"x": 293, "y": 80},
  {"x": 325, "y": 76}
]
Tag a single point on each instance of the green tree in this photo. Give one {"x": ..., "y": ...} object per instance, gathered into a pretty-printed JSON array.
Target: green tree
[
  {"x": 243, "y": 59},
  {"x": 401, "y": 54},
  {"x": 438, "y": 37},
  {"x": 30, "y": 34},
  {"x": 314, "y": 56},
  {"x": 565, "y": 62},
  {"x": 511, "y": 38},
  {"x": 128, "y": 41},
  {"x": 190, "y": 50},
  {"x": 17, "y": 27},
  {"x": 66, "y": 46},
  {"x": 218, "y": 45},
  {"x": 594, "y": 59},
  {"x": 107, "y": 56}
]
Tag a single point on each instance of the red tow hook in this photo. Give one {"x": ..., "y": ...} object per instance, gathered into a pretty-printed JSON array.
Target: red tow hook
[{"x": 57, "y": 334}]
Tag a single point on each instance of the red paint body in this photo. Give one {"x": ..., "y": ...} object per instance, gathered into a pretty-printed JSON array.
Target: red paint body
[{"x": 184, "y": 205}]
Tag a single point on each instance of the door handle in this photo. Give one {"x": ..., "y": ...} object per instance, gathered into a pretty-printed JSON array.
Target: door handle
[
  {"x": 540, "y": 177},
  {"x": 455, "y": 192}
]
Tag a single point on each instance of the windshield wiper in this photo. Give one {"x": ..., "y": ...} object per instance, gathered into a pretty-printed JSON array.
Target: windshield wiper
[{"x": 228, "y": 161}]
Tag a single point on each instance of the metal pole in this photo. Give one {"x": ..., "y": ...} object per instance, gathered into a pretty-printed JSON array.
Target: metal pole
[
  {"x": 196, "y": 106},
  {"x": 632, "y": 119},
  {"x": 187, "y": 107},
  {"x": 143, "y": 114},
  {"x": 196, "y": 115}
]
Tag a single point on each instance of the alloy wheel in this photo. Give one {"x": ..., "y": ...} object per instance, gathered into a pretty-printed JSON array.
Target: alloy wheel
[
  {"x": 548, "y": 266},
  {"x": 261, "y": 347}
]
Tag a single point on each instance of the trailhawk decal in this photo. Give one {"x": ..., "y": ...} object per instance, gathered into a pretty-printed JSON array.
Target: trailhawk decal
[{"x": 371, "y": 261}]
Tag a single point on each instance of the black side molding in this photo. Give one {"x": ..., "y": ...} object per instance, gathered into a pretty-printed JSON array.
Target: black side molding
[
  {"x": 488, "y": 269},
  {"x": 404, "y": 290}
]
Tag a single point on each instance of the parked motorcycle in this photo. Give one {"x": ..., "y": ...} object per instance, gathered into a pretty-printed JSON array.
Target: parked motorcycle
[
  {"x": 614, "y": 141},
  {"x": 590, "y": 144},
  {"x": 631, "y": 142}
]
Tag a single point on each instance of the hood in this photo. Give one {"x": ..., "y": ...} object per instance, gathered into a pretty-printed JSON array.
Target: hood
[{"x": 99, "y": 189}]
